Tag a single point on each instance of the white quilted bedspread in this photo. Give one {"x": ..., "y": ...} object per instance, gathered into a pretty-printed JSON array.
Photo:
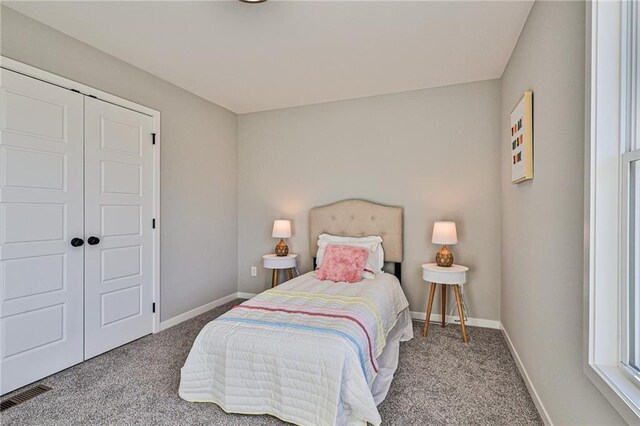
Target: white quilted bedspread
[{"x": 304, "y": 351}]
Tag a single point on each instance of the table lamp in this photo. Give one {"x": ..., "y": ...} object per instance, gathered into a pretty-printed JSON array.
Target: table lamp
[
  {"x": 444, "y": 233},
  {"x": 281, "y": 229}
]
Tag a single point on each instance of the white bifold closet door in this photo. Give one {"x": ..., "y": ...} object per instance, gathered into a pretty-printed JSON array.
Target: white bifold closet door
[
  {"x": 41, "y": 212},
  {"x": 76, "y": 210},
  {"x": 118, "y": 213}
]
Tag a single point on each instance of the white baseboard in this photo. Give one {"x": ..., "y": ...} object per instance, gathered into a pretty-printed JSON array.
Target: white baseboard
[
  {"x": 523, "y": 372},
  {"x": 197, "y": 311},
  {"x": 242, "y": 295},
  {"x": 472, "y": 322}
]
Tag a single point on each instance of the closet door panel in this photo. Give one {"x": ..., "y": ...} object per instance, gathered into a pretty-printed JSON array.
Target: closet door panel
[
  {"x": 119, "y": 207},
  {"x": 41, "y": 211}
]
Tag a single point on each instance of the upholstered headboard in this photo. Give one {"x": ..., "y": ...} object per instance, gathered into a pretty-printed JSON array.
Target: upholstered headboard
[{"x": 359, "y": 218}]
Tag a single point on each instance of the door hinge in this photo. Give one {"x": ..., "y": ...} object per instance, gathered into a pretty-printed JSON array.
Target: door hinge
[
  {"x": 153, "y": 224},
  {"x": 153, "y": 307},
  {"x": 153, "y": 138}
]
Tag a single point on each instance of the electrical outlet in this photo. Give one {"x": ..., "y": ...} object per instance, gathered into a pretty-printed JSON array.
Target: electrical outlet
[{"x": 254, "y": 271}]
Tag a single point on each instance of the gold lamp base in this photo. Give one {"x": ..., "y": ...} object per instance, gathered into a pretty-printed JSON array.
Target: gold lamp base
[
  {"x": 282, "y": 249},
  {"x": 444, "y": 257}
]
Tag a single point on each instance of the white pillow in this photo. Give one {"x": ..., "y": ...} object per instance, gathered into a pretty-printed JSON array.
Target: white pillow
[{"x": 375, "y": 263}]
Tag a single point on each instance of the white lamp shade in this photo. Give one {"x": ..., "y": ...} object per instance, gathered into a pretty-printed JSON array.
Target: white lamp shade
[
  {"x": 281, "y": 229},
  {"x": 444, "y": 233}
]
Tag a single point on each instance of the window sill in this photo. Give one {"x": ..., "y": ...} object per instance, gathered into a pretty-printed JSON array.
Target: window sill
[{"x": 619, "y": 390}]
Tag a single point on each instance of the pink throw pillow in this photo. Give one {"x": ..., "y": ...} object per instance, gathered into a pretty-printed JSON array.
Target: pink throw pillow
[{"x": 343, "y": 263}]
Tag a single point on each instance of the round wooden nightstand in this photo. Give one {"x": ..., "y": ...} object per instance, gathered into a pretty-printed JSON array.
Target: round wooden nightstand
[
  {"x": 454, "y": 275},
  {"x": 277, "y": 263}
]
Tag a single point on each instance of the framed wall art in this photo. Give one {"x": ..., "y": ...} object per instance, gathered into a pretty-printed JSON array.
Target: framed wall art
[{"x": 522, "y": 139}]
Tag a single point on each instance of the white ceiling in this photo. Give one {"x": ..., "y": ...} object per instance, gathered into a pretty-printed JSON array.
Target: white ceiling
[{"x": 255, "y": 57}]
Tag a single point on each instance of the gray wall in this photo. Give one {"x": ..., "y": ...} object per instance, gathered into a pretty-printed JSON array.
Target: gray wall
[
  {"x": 198, "y": 160},
  {"x": 542, "y": 220},
  {"x": 434, "y": 152}
]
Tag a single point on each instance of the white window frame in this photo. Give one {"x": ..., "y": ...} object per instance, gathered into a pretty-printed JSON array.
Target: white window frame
[
  {"x": 627, "y": 159},
  {"x": 606, "y": 270}
]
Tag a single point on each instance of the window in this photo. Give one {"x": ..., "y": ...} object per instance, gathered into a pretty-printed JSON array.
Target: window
[
  {"x": 631, "y": 263},
  {"x": 631, "y": 246},
  {"x": 612, "y": 322},
  {"x": 630, "y": 182}
]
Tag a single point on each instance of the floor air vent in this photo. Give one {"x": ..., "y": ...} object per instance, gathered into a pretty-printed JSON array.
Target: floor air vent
[{"x": 23, "y": 396}]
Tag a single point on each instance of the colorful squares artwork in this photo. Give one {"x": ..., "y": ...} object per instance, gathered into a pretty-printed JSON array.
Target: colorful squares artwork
[
  {"x": 517, "y": 142},
  {"x": 522, "y": 139},
  {"x": 517, "y": 158},
  {"x": 515, "y": 127}
]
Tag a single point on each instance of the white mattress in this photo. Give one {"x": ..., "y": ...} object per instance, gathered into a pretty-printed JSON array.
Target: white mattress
[{"x": 309, "y": 352}]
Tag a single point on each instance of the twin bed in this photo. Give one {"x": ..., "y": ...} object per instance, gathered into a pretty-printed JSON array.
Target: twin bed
[{"x": 310, "y": 352}]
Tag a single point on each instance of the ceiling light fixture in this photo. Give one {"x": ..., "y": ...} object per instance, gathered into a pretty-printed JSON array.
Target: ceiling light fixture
[{"x": 253, "y": 1}]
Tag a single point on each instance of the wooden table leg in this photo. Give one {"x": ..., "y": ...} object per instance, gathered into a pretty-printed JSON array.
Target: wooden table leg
[
  {"x": 290, "y": 273},
  {"x": 460, "y": 312},
  {"x": 274, "y": 278},
  {"x": 444, "y": 304},
  {"x": 429, "y": 305}
]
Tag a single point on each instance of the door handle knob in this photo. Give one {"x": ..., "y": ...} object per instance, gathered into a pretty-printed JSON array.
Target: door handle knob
[
  {"x": 77, "y": 242},
  {"x": 93, "y": 240}
]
